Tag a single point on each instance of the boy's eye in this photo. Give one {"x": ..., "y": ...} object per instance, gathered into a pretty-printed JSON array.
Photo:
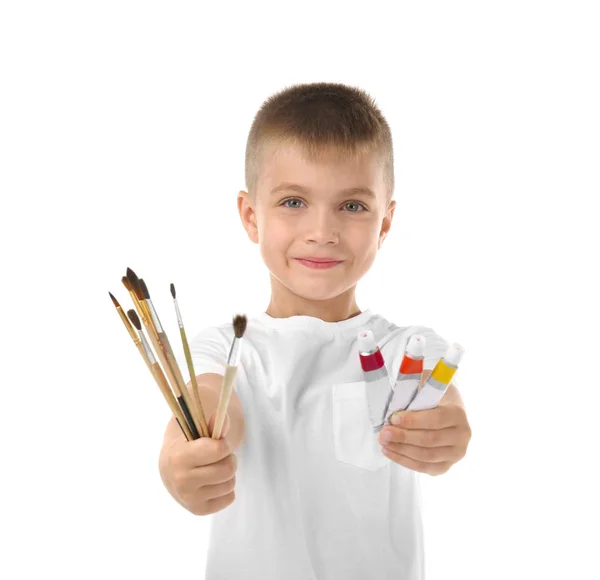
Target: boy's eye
[
  {"x": 349, "y": 203},
  {"x": 292, "y": 199},
  {"x": 357, "y": 204}
]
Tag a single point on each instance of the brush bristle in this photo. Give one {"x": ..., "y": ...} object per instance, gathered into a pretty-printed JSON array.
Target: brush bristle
[
  {"x": 127, "y": 283},
  {"x": 134, "y": 318},
  {"x": 173, "y": 290},
  {"x": 134, "y": 281},
  {"x": 239, "y": 325},
  {"x": 115, "y": 302},
  {"x": 132, "y": 276},
  {"x": 144, "y": 289}
]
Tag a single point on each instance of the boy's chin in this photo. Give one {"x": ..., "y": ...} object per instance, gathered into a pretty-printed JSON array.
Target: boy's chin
[{"x": 316, "y": 292}]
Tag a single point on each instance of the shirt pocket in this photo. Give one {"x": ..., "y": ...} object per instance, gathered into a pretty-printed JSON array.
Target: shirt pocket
[{"x": 354, "y": 440}]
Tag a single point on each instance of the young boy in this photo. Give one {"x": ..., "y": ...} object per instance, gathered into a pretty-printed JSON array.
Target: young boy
[{"x": 300, "y": 486}]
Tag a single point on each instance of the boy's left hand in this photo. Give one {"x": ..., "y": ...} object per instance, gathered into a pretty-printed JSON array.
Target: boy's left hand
[{"x": 429, "y": 441}]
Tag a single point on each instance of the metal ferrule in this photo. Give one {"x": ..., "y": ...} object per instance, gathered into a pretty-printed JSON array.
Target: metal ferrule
[
  {"x": 148, "y": 350},
  {"x": 155, "y": 319},
  {"x": 179, "y": 320},
  {"x": 128, "y": 325},
  {"x": 139, "y": 307},
  {"x": 235, "y": 351}
]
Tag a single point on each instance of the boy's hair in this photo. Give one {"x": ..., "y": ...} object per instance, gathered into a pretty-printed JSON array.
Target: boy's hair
[{"x": 323, "y": 119}]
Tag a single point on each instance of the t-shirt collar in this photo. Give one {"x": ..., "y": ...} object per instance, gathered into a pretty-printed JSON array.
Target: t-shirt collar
[{"x": 311, "y": 322}]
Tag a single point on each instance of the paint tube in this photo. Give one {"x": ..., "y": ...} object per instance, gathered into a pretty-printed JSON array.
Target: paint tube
[
  {"x": 377, "y": 380},
  {"x": 409, "y": 376},
  {"x": 437, "y": 382}
]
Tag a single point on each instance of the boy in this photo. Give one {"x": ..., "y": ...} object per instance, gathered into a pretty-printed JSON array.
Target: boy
[{"x": 299, "y": 485}]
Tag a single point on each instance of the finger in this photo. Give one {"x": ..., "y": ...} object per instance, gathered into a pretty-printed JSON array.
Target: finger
[
  {"x": 218, "y": 472},
  {"x": 424, "y": 454},
  {"x": 205, "y": 451},
  {"x": 216, "y": 504},
  {"x": 420, "y": 437},
  {"x": 429, "y": 468},
  {"x": 211, "y": 424},
  {"x": 437, "y": 418},
  {"x": 219, "y": 489}
]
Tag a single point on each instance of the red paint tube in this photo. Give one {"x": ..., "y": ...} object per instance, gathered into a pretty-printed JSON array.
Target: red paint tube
[{"x": 377, "y": 380}]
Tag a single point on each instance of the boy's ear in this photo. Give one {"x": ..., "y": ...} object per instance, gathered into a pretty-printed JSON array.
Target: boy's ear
[
  {"x": 248, "y": 215},
  {"x": 387, "y": 222}
]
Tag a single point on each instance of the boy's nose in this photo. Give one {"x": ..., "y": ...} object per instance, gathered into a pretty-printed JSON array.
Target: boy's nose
[
  {"x": 322, "y": 237},
  {"x": 323, "y": 229}
]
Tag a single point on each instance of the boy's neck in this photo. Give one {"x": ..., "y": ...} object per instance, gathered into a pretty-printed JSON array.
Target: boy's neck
[{"x": 335, "y": 310}]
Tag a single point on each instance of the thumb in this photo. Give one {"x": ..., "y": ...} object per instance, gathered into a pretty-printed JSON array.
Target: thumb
[
  {"x": 211, "y": 424},
  {"x": 396, "y": 418}
]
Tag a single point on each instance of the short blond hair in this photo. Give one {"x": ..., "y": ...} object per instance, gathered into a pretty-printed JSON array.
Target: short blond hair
[{"x": 323, "y": 119}]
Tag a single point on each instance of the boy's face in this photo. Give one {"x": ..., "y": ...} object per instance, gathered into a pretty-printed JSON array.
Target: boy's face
[{"x": 322, "y": 221}]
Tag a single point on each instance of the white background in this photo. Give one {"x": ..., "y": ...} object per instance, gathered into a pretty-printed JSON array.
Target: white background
[{"x": 122, "y": 134}]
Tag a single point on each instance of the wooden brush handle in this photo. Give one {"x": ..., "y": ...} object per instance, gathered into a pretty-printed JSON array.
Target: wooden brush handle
[
  {"x": 161, "y": 381},
  {"x": 169, "y": 363},
  {"x": 168, "y": 395},
  {"x": 199, "y": 409},
  {"x": 228, "y": 380},
  {"x": 183, "y": 389}
]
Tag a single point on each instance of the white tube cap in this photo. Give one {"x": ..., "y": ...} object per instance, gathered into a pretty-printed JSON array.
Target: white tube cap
[
  {"x": 366, "y": 342},
  {"x": 454, "y": 354},
  {"x": 416, "y": 345}
]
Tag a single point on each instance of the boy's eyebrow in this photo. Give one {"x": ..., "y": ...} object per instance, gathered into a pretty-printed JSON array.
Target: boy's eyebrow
[{"x": 299, "y": 188}]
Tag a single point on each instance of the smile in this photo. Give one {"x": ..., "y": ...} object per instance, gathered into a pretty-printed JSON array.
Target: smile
[{"x": 317, "y": 265}]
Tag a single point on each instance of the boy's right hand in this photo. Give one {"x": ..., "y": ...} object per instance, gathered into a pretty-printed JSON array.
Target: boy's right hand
[{"x": 200, "y": 474}]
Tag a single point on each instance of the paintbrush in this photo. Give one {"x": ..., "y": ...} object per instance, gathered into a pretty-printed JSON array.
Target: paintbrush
[
  {"x": 160, "y": 378},
  {"x": 142, "y": 310},
  {"x": 163, "y": 349},
  {"x": 239, "y": 327},
  {"x": 190, "y": 365},
  {"x": 146, "y": 354},
  {"x": 164, "y": 340}
]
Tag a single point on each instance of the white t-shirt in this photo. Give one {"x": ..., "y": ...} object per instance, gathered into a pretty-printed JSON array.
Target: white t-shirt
[{"x": 315, "y": 497}]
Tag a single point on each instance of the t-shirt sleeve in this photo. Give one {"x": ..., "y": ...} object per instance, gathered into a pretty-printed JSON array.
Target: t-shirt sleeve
[
  {"x": 435, "y": 348},
  {"x": 209, "y": 350}
]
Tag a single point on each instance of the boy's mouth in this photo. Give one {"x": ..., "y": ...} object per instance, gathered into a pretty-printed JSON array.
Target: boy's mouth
[{"x": 318, "y": 263}]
